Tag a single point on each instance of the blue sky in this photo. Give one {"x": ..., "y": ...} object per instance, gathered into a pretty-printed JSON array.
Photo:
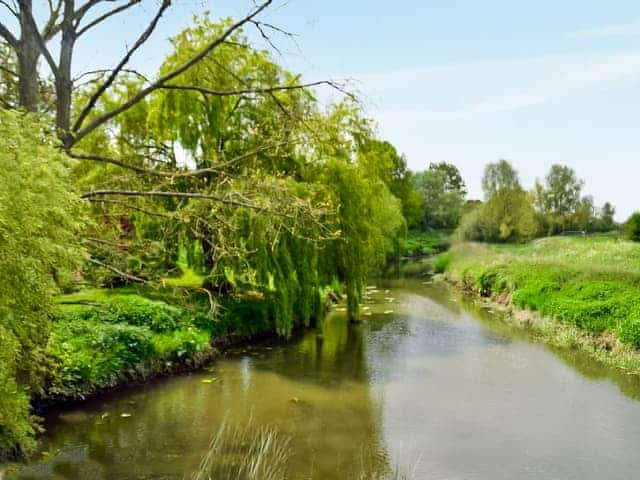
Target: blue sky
[{"x": 464, "y": 81}]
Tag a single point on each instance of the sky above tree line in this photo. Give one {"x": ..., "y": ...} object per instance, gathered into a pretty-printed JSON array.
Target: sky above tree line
[{"x": 461, "y": 81}]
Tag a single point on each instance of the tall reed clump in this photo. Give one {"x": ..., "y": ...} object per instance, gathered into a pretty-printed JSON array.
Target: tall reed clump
[{"x": 245, "y": 454}]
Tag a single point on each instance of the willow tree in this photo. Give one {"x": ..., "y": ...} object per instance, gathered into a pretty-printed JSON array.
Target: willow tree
[{"x": 39, "y": 222}]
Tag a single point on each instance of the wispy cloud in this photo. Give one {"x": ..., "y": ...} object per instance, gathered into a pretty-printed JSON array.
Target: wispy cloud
[
  {"x": 613, "y": 30},
  {"x": 470, "y": 89}
]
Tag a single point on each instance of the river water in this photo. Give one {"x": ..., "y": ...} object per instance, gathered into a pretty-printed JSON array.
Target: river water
[{"x": 426, "y": 386}]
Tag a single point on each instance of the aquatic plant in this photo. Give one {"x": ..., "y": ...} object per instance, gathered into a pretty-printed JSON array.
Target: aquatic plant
[{"x": 244, "y": 453}]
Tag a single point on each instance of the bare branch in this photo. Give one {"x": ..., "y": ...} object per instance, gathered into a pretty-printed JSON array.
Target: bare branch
[
  {"x": 171, "y": 75},
  {"x": 50, "y": 29},
  {"x": 108, "y": 14},
  {"x": 177, "y": 173},
  {"x": 192, "y": 195},
  {"x": 122, "y": 274},
  {"x": 8, "y": 36},
  {"x": 120, "y": 163},
  {"x": 103, "y": 71},
  {"x": 13, "y": 11},
  {"x": 105, "y": 86},
  {"x": 230, "y": 93}
]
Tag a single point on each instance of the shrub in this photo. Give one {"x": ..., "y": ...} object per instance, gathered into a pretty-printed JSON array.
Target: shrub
[
  {"x": 91, "y": 354},
  {"x": 133, "y": 310},
  {"x": 629, "y": 332},
  {"x": 632, "y": 227},
  {"x": 442, "y": 263}
]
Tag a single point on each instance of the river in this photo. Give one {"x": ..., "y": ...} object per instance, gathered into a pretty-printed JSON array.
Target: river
[{"x": 427, "y": 386}]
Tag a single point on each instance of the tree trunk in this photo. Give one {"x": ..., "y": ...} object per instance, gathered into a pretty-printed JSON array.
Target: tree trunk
[
  {"x": 28, "y": 53},
  {"x": 63, "y": 77}
]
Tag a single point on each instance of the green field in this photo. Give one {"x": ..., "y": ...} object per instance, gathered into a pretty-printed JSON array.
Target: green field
[{"x": 590, "y": 283}]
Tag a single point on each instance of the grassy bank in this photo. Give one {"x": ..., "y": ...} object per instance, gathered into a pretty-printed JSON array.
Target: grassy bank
[
  {"x": 424, "y": 243},
  {"x": 104, "y": 338},
  {"x": 583, "y": 290}
]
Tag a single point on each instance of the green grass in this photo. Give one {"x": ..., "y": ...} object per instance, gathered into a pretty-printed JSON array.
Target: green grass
[
  {"x": 591, "y": 283},
  {"x": 113, "y": 336},
  {"x": 422, "y": 243}
]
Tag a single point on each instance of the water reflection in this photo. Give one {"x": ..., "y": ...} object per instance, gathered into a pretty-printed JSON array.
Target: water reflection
[{"x": 427, "y": 382}]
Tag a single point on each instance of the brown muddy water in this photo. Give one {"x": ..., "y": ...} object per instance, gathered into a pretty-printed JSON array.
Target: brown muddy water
[{"x": 426, "y": 385}]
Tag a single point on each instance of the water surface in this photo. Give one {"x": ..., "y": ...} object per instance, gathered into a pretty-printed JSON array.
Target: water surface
[{"x": 426, "y": 384}]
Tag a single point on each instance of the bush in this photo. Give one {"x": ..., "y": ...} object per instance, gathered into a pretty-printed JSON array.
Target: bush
[
  {"x": 139, "y": 311},
  {"x": 632, "y": 227},
  {"x": 442, "y": 263},
  {"x": 90, "y": 354},
  {"x": 629, "y": 332}
]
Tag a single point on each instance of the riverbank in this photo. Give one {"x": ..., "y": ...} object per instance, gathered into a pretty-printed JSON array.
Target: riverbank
[
  {"x": 578, "y": 293},
  {"x": 106, "y": 339}
]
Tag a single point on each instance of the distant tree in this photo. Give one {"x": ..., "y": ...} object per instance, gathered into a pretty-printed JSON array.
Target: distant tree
[
  {"x": 443, "y": 192},
  {"x": 558, "y": 201},
  {"x": 632, "y": 227},
  {"x": 453, "y": 178},
  {"x": 583, "y": 216},
  {"x": 507, "y": 215},
  {"x": 499, "y": 176},
  {"x": 604, "y": 221}
]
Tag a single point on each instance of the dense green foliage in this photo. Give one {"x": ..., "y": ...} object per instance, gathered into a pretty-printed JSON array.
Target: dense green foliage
[
  {"x": 429, "y": 242},
  {"x": 590, "y": 283},
  {"x": 632, "y": 227},
  {"x": 39, "y": 221},
  {"x": 507, "y": 215},
  {"x": 96, "y": 346},
  {"x": 443, "y": 193}
]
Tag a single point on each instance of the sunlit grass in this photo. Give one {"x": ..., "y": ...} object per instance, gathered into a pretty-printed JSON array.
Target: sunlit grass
[{"x": 590, "y": 282}]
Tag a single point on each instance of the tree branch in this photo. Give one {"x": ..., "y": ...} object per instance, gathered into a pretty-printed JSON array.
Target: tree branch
[
  {"x": 13, "y": 11},
  {"x": 108, "y": 14},
  {"x": 197, "y": 196},
  {"x": 141, "y": 40},
  {"x": 8, "y": 36},
  {"x": 177, "y": 173},
  {"x": 171, "y": 75},
  {"x": 128, "y": 276},
  {"x": 229, "y": 93},
  {"x": 26, "y": 10}
]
